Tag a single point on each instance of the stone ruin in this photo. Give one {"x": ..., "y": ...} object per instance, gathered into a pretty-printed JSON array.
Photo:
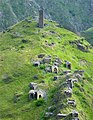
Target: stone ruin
[
  {"x": 56, "y": 77},
  {"x": 66, "y": 71},
  {"x": 60, "y": 116},
  {"x": 41, "y": 18},
  {"x": 36, "y": 64},
  {"x": 33, "y": 86},
  {"x": 41, "y": 55},
  {"x": 68, "y": 92},
  {"x": 47, "y": 60},
  {"x": 57, "y": 62},
  {"x": 70, "y": 83},
  {"x": 68, "y": 65},
  {"x": 48, "y": 114},
  {"x": 73, "y": 115},
  {"x": 71, "y": 102},
  {"x": 54, "y": 69},
  {"x": 81, "y": 72},
  {"x": 35, "y": 92}
]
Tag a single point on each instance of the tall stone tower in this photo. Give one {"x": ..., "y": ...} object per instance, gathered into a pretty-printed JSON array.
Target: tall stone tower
[{"x": 41, "y": 18}]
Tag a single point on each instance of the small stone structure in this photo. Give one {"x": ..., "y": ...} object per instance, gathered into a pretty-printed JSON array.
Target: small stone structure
[
  {"x": 56, "y": 77},
  {"x": 66, "y": 71},
  {"x": 54, "y": 69},
  {"x": 58, "y": 60},
  {"x": 41, "y": 18},
  {"x": 82, "y": 47},
  {"x": 70, "y": 83},
  {"x": 60, "y": 116},
  {"x": 56, "y": 64},
  {"x": 68, "y": 65},
  {"x": 78, "y": 76},
  {"x": 36, "y": 94},
  {"x": 71, "y": 102},
  {"x": 41, "y": 55},
  {"x": 68, "y": 92},
  {"x": 48, "y": 114},
  {"x": 48, "y": 69},
  {"x": 36, "y": 64},
  {"x": 74, "y": 113},
  {"x": 81, "y": 72},
  {"x": 69, "y": 75},
  {"x": 74, "y": 80},
  {"x": 47, "y": 60},
  {"x": 33, "y": 86}
]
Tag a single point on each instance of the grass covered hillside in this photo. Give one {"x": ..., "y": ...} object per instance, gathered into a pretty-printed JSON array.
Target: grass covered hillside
[
  {"x": 75, "y": 15},
  {"x": 21, "y": 46},
  {"x": 88, "y": 34}
]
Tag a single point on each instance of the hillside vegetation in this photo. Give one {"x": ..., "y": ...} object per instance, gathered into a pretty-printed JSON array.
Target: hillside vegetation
[
  {"x": 88, "y": 34},
  {"x": 20, "y": 46}
]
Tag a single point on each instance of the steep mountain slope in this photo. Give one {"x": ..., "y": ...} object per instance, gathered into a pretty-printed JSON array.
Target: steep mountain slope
[
  {"x": 88, "y": 34},
  {"x": 20, "y": 46},
  {"x": 72, "y": 14}
]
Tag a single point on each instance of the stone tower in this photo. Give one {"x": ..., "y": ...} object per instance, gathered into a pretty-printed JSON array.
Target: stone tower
[{"x": 41, "y": 18}]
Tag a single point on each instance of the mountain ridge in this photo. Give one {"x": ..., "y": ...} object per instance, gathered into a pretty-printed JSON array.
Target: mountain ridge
[{"x": 73, "y": 15}]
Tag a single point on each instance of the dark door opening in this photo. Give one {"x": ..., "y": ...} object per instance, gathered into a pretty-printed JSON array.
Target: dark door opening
[
  {"x": 35, "y": 95},
  {"x": 40, "y": 96}
]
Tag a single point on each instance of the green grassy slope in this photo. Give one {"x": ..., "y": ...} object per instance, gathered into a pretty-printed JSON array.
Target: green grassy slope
[
  {"x": 74, "y": 15},
  {"x": 17, "y": 71},
  {"x": 88, "y": 34}
]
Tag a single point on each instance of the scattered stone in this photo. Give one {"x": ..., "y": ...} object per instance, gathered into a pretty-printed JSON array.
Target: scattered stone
[
  {"x": 58, "y": 61},
  {"x": 33, "y": 86},
  {"x": 60, "y": 116},
  {"x": 68, "y": 92},
  {"x": 7, "y": 78},
  {"x": 36, "y": 64},
  {"x": 69, "y": 75},
  {"x": 65, "y": 84},
  {"x": 51, "y": 44},
  {"x": 24, "y": 41},
  {"x": 47, "y": 60},
  {"x": 29, "y": 21},
  {"x": 74, "y": 80},
  {"x": 48, "y": 69},
  {"x": 74, "y": 113},
  {"x": 66, "y": 71},
  {"x": 36, "y": 77},
  {"x": 17, "y": 97},
  {"x": 46, "y": 41},
  {"x": 48, "y": 114},
  {"x": 45, "y": 24},
  {"x": 41, "y": 55},
  {"x": 78, "y": 76},
  {"x": 56, "y": 78},
  {"x": 51, "y": 108},
  {"x": 81, "y": 72},
  {"x": 70, "y": 83},
  {"x": 72, "y": 102},
  {"x": 53, "y": 32},
  {"x": 82, "y": 47},
  {"x": 56, "y": 64},
  {"x": 42, "y": 81}
]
